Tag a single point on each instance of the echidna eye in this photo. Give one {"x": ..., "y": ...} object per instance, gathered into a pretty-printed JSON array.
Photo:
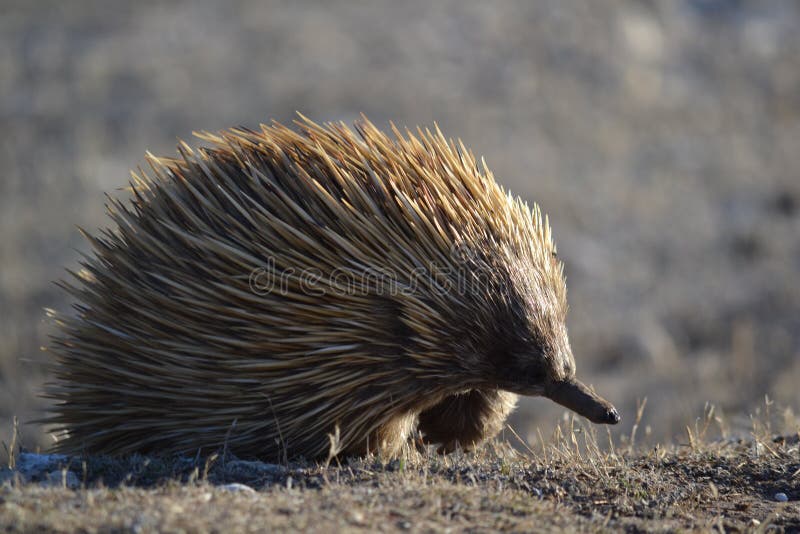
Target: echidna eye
[{"x": 536, "y": 374}]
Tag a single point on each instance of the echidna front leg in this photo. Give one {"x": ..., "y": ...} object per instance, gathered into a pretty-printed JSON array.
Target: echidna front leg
[{"x": 467, "y": 419}]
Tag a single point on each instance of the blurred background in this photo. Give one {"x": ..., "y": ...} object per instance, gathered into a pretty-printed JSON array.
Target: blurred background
[{"x": 661, "y": 137}]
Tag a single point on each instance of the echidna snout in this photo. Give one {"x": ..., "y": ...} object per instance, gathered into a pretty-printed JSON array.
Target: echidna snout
[
  {"x": 576, "y": 396},
  {"x": 547, "y": 368}
]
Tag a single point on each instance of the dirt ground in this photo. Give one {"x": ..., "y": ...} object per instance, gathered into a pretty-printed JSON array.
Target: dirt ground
[
  {"x": 660, "y": 137},
  {"x": 569, "y": 484}
]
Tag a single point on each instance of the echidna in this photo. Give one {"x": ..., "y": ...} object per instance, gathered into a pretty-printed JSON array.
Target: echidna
[{"x": 285, "y": 286}]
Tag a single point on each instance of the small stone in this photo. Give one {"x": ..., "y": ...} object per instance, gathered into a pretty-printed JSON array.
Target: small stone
[
  {"x": 258, "y": 468},
  {"x": 781, "y": 497},
  {"x": 237, "y": 487},
  {"x": 357, "y": 518}
]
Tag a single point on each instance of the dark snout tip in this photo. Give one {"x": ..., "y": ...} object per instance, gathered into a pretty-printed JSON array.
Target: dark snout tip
[
  {"x": 605, "y": 414},
  {"x": 612, "y": 417}
]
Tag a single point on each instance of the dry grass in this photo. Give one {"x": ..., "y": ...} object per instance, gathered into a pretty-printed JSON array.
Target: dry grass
[{"x": 577, "y": 479}]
